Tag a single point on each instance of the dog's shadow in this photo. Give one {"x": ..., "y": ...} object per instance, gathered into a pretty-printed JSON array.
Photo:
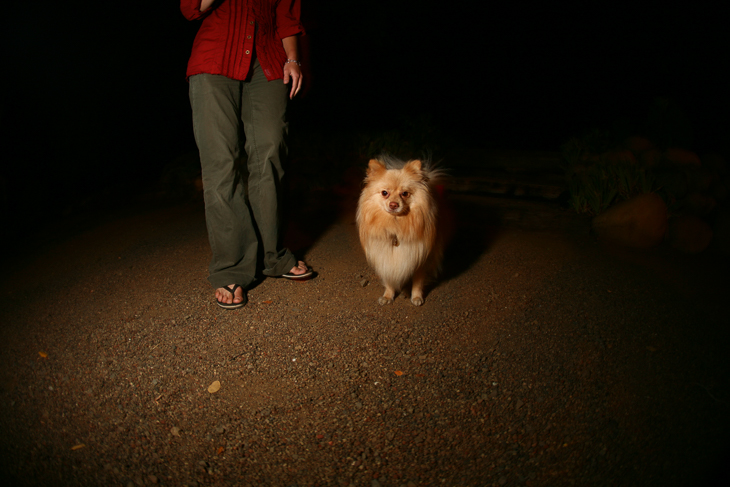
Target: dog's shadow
[
  {"x": 474, "y": 231},
  {"x": 311, "y": 209}
]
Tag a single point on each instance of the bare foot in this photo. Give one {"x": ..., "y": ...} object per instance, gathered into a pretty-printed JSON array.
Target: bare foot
[
  {"x": 299, "y": 269},
  {"x": 224, "y": 296}
]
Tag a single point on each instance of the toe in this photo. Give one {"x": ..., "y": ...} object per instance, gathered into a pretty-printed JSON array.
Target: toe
[
  {"x": 299, "y": 269},
  {"x": 223, "y": 295}
]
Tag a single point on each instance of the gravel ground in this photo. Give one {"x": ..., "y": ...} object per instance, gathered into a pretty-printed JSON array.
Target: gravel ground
[{"x": 541, "y": 358}]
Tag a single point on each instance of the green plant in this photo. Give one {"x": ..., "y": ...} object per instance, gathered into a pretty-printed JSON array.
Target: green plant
[{"x": 597, "y": 180}]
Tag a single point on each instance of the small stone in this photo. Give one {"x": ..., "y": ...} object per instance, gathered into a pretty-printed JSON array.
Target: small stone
[
  {"x": 214, "y": 387},
  {"x": 364, "y": 282}
]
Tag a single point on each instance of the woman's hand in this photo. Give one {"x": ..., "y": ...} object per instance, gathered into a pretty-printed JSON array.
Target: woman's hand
[
  {"x": 293, "y": 72},
  {"x": 292, "y": 69}
]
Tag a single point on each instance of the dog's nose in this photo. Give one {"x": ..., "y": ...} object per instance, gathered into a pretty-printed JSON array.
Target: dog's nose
[{"x": 393, "y": 205}]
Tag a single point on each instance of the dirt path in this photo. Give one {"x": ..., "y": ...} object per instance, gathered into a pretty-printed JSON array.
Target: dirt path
[{"x": 541, "y": 358}]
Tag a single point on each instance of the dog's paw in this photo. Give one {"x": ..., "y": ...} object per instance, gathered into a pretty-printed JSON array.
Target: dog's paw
[
  {"x": 417, "y": 300},
  {"x": 383, "y": 300}
]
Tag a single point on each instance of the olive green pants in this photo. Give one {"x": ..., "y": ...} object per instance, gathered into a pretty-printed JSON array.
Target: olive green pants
[{"x": 242, "y": 216}]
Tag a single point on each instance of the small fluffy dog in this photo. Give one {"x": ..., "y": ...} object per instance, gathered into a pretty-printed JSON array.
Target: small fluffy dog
[{"x": 397, "y": 218}]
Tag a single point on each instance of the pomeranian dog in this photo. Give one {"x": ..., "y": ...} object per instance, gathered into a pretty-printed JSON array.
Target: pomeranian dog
[{"x": 398, "y": 223}]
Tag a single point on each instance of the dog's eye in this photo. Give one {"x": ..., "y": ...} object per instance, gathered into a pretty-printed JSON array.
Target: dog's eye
[
  {"x": 405, "y": 194},
  {"x": 384, "y": 193}
]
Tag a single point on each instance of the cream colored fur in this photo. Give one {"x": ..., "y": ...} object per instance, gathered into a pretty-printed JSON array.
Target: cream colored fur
[{"x": 397, "y": 219}]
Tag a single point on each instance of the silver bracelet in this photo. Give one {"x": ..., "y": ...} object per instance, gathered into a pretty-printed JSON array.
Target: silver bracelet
[{"x": 293, "y": 61}]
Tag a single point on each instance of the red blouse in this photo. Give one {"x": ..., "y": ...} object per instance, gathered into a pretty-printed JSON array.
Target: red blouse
[{"x": 225, "y": 41}]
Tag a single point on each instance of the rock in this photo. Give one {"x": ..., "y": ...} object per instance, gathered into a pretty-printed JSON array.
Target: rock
[
  {"x": 650, "y": 158},
  {"x": 673, "y": 182},
  {"x": 721, "y": 230},
  {"x": 620, "y": 157},
  {"x": 639, "y": 222},
  {"x": 715, "y": 163},
  {"x": 689, "y": 234},
  {"x": 682, "y": 156},
  {"x": 699, "y": 203},
  {"x": 214, "y": 387},
  {"x": 638, "y": 144},
  {"x": 718, "y": 190}
]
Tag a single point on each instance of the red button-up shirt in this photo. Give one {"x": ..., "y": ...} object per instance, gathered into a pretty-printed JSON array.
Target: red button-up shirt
[{"x": 228, "y": 36}]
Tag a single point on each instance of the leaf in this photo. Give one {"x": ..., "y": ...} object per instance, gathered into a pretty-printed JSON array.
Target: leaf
[
  {"x": 78, "y": 447},
  {"x": 268, "y": 302},
  {"x": 399, "y": 372},
  {"x": 214, "y": 387},
  {"x": 43, "y": 354},
  {"x": 221, "y": 450}
]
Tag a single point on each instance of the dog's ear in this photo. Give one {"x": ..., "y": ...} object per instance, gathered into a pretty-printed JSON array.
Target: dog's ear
[
  {"x": 416, "y": 164},
  {"x": 415, "y": 167},
  {"x": 374, "y": 168}
]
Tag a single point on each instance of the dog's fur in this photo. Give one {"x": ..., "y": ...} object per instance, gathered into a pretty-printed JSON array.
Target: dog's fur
[{"x": 397, "y": 218}]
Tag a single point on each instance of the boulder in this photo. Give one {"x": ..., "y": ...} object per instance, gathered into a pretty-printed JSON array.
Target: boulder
[
  {"x": 718, "y": 190},
  {"x": 673, "y": 182},
  {"x": 715, "y": 163},
  {"x": 721, "y": 230},
  {"x": 619, "y": 157},
  {"x": 638, "y": 144},
  {"x": 651, "y": 157},
  {"x": 639, "y": 222},
  {"x": 698, "y": 203},
  {"x": 699, "y": 178},
  {"x": 682, "y": 156},
  {"x": 689, "y": 234}
]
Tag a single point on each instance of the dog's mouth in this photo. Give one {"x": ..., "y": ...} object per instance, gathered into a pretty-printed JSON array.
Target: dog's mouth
[{"x": 401, "y": 210}]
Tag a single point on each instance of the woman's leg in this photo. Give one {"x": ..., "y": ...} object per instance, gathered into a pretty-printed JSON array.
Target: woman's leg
[
  {"x": 216, "y": 104},
  {"x": 263, "y": 113}
]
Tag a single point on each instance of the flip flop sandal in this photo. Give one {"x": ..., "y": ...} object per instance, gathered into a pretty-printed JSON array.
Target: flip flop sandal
[
  {"x": 299, "y": 277},
  {"x": 233, "y": 293}
]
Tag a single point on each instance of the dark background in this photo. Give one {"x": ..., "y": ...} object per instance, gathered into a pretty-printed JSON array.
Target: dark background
[{"x": 95, "y": 98}]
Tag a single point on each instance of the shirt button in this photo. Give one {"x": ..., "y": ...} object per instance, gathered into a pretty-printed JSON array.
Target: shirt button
[
  {"x": 250, "y": 22},
  {"x": 248, "y": 52},
  {"x": 248, "y": 37}
]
